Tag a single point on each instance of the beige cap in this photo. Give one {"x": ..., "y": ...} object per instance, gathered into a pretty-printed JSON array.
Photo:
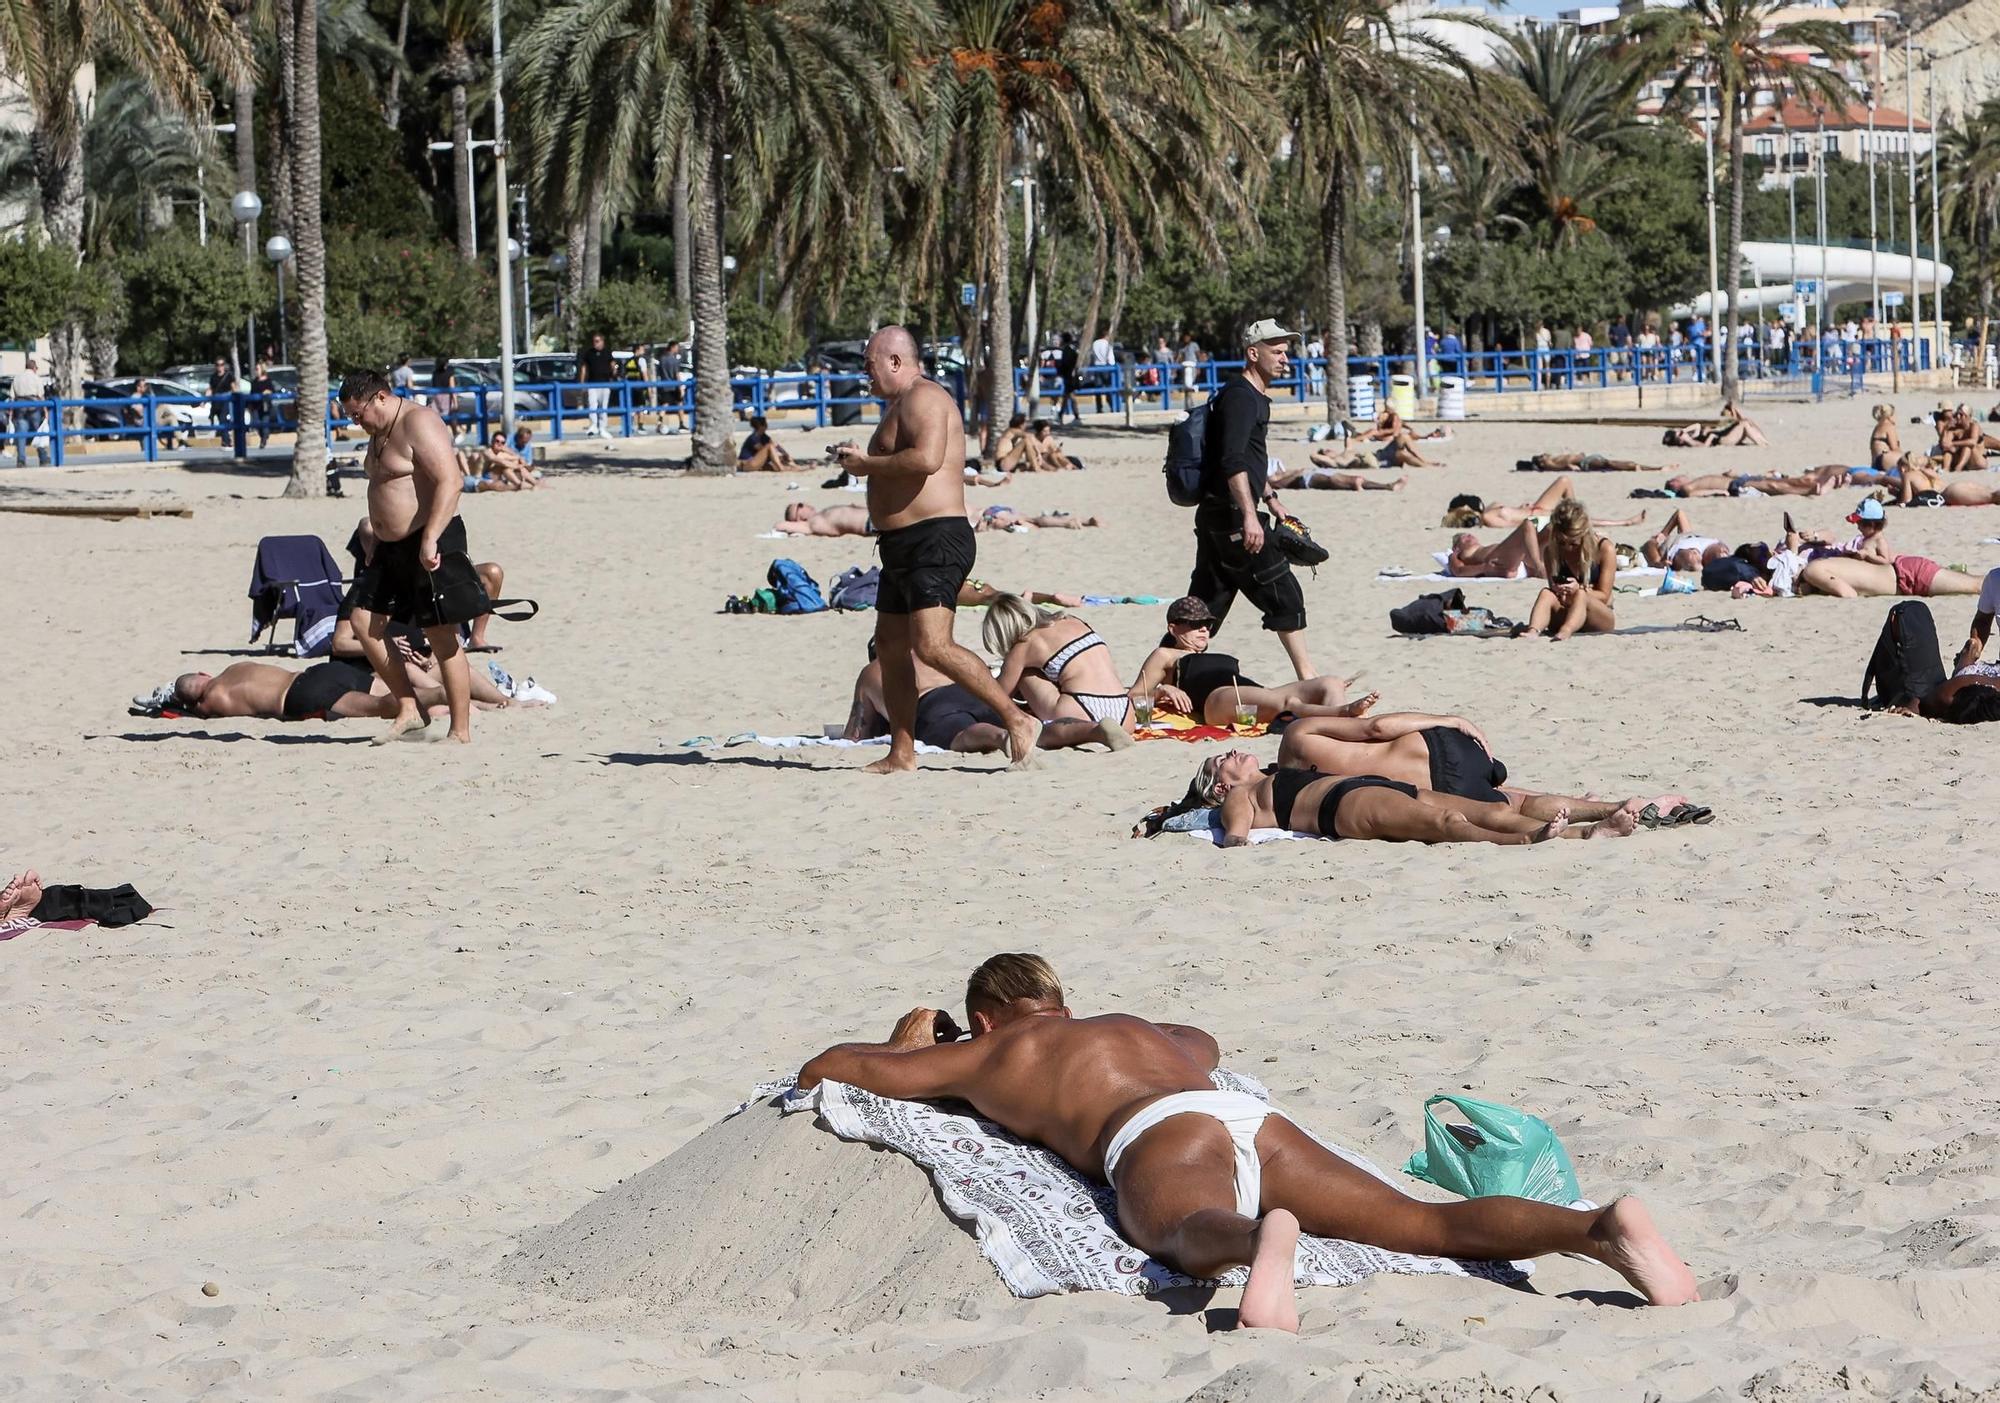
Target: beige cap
[{"x": 1266, "y": 330}]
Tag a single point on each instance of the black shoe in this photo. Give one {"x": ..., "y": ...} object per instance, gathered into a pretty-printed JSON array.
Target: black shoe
[{"x": 842, "y": 480}]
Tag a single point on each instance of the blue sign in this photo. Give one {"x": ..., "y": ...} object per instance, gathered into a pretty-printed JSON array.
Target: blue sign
[
  {"x": 1788, "y": 310},
  {"x": 1808, "y": 286},
  {"x": 1892, "y": 299},
  {"x": 968, "y": 293}
]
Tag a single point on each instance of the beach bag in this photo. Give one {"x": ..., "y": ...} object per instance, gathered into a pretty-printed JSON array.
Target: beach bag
[
  {"x": 1907, "y": 663},
  {"x": 1425, "y": 613},
  {"x": 798, "y": 592},
  {"x": 1502, "y": 1151},
  {"x": 1186, "y": 441},
  {"x": 855, "y": 588}
]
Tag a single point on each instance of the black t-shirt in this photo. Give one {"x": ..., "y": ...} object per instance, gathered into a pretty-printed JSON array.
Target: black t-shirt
[
  {"x": 221, "y": 383},
  {"x": 1234, "y": 444},
  {"x": 595, "y": 366}
]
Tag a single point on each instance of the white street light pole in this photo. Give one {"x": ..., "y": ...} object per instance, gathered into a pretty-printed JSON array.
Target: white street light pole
[
  {"x": 1032, "y": 323},
  {"x": 472, "y": 207},
  {"x": 1820, "y": 163},
  {"x": 1714, "y": 278},
  {"x": 1792, "y": 213},
  {"x": 278, "y": 248},
  {"x": 245, "y": 207},
  {"x": 527, "y": 302},
  {"x": 1874, "y": 270},
  {"x": 1910, "y": 141},
  {"x": 1938, "y": 356},
  {"x": 1422, "y": 379},
  {"x": 500, "y": 238}
]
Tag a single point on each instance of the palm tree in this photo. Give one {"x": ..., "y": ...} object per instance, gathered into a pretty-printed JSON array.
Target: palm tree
[
  {"x": 44, "y": 46},
  {"x": 617, "y": 82},
  {"x": 1969, "y": 191},
  {"x": 1578, "y": 106},
  {"x": 309, "y": 253},
  {"x": 1356, "y": 85},
  {"x": 1138, "y": 120},
  {"x": 1734, "y": 49},
  {"x": 139, "y": 158}
]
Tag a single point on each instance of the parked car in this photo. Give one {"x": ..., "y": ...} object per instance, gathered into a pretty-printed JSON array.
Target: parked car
[
  {"x": 185, "y": 418},
  {"x": 483, "y": 373}
]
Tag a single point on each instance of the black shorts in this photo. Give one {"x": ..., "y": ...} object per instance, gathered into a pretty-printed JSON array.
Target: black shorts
[
  {"x": 1461, "y": 766},
  {"x": 396, "y": 584},
  {"x": 924, "y": 565},
  {"x": 314, "y": 691},
  {"x": 943, "y": 712},
  {"x": 1223, "y": 569}
]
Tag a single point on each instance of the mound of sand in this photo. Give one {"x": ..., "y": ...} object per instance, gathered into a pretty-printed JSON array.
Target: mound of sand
[{"x": 768, "y": 1214}]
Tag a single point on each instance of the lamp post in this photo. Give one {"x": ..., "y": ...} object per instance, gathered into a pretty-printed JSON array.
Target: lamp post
[
  {"x": 278, "y": 249},
  {"x": 1910, "y": 142},
  {"x": 244, "y": 207},
  {"x": 500, "y": 238},
  {"x": 472, "y": 209},
  {"x": 527, "y": 303},
  {"x": 1937, "y": 246},
  {"x": 1032, "y": 312},
  {"x": 558, "y": 265},
  {"x": 1874, "y": 270},
  {"x": 1714, "y": 277},
  {"x": 1819, "y": 164}
]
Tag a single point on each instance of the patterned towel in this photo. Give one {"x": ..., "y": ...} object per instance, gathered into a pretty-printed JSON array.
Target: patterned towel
[{"x": 1044, "y": 1227}]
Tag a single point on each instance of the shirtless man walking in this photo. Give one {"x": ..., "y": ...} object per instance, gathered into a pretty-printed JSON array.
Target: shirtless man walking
[
  {"x": 418, "y": 570},
  {"x": 1206, "y": 1180},
  {"x": 916, "y": 500}
]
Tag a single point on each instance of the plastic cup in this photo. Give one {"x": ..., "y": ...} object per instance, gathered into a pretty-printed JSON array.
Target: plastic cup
[
  {"x": 1246, "y": 716},
  {"x": 1142, "y": 709}
]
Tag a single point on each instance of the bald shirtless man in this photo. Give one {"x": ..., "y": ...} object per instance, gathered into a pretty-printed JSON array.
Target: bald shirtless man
[
  {"x": 916, "y": 499},
  {"x": 1206, "y": 1180},
  {"x": 323, "y": 691},
  {"x": 418, "y": 570},
  {"x": 841, "y": 519}
]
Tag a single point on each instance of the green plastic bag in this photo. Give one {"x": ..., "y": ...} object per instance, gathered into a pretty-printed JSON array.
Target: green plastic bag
[{"x": 1502, "y": 1151}]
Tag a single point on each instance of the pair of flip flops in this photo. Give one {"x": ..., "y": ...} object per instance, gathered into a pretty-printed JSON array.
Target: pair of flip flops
[{"x": 1679, "y": 816}]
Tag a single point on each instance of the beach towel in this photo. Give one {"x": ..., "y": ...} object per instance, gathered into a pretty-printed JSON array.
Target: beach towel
[
  {"x": 21, "y": 925},
  {"x": 1044, "y": 1227},
  {"x": 795, "y": 742},
  {"x": 1395, "y": 574}
]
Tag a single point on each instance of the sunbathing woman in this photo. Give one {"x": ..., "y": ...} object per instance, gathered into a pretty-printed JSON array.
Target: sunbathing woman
[
  {"x": 1324, "y": 479},
  {"x": 1401, "y": 452},
  {"x": 1885, "y": 447},
  {"x": 951, "y": 718},
  {"x": 1735, "y": 427},
  {"x": 1361, "y": 807},
  {"x": 1582, "y": 569},
  {"x": 1183, "y": 674},
  {"x": 1467, "y": 510},
  {"x": 999, "y": 518},
  {"x": 1815, "y": 483},
  {"x": 1587, "y": 463},
  {"x": 1057, "y": 662},
  {"x": 1518, "y": 554}
]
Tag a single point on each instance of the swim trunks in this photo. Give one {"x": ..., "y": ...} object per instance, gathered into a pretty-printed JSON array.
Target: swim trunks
[
  {"x": 1914, "y": 574},
  {"x": 1461, "y": 766},
  {"x": 396, "y": 584},
  {"x": 1740, "y": 487},
  {"x": 1239, "y": 1113},
  {"x": 925, "y": 564},
  {"x": 314, "y": 691},
  {"x": 943, "y": 712}
]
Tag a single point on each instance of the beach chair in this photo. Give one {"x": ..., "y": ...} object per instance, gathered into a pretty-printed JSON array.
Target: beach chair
[{"x": 295, "y": 578}]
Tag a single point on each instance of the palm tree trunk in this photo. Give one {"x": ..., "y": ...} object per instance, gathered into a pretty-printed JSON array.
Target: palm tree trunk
[
  {"x": 245, "y": 103},
  {"x": 575, "y": 240},
  {"x": 287, "y": 126},
  {"x": 999, "y": 315},
  {"x": 1100, "y": 260},
  {"x": 714, "y": 410},
  {"x": 682, "y": 252},
  {"x": 58, "y": 163},
  {"x": 392, "y": 110},
  {"x": 1733, "y": 278},
  {"x": 1371, "y": 337},
  {"x": 309, "y": 251},
  {"x": 1120, "y": 271},
  {"x": 1333, "y": 292},
  {"x": 593, "y": 231},
  {"x": 456, "y": 61}
]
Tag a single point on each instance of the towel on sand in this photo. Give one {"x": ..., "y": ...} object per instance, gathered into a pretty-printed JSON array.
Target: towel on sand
[
  {"x": 1443, "y": 557},
  {"x": 795, "y": 742},
  {"x": 1044, "y": 1227}
]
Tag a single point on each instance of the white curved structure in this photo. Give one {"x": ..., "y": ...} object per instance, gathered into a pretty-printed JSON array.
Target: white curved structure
[{"x": 1845, "y": 273}]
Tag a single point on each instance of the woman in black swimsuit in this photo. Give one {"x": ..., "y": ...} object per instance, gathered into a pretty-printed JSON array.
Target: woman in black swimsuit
[
  {"x": 1183, "y": 674},
  {"x": 1361, "y": 806}
]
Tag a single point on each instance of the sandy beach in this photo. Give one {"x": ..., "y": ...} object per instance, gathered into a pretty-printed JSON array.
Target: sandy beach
[{"x": 403, "y": 1008}]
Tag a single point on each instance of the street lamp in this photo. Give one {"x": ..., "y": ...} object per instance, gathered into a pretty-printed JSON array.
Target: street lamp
[
  {"x": 1026, "y": 183},
  {"x": 278, "y": 249},
  {"x": 1943, "y": 343},
  {"x": 244, "y": 207},
  {"x": 472, "y": 210},
  {"x": 1910, "y": 142}
]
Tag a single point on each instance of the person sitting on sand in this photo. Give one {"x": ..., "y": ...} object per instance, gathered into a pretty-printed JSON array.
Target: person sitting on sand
[
  {"x": 1467, "y": 510},
  {"x": 1049, "y": 453},
  {"x": 1675, "y": 546},
  {"x": 1449, "y": 754},
  {"x": 1401, "y": 451},
  {"x": 1587, "y": 463},
  {"x": 1209, "y": 687},
  {"x": 760, "y": 453},
  {"x": 1206, "y": 1180},
  {"x": 1056, "y": 662},
  {"x": 999, "y": 518},
  {"x": 1015, "y": 450},
  {"x": 1960, "y": 444},
  {"x": 1735, "y": 427},
  {"x": 1885, "y": 446},
  {"x": 840, "y": 519},
  {"x": 1582, "y": 569},
  {"x": 1389, "y": 426},
  {"x": 504, "y": 470},
  {"x": 949, "y": 717}
]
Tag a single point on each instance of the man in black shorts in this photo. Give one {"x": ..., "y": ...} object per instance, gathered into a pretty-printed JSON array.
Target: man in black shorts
[
  {"x": 1232, "y": 554},
  {"x": 323, "y": 691}
]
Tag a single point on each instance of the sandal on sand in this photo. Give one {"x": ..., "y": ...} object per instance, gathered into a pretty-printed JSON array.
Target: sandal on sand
[
  {"x": 1689, "y": 813},
  {"x": 1651, "y": 817}
]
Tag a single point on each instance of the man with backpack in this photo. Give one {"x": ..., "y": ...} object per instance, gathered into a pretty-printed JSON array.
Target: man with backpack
[{"x": 1233, "y": 554}]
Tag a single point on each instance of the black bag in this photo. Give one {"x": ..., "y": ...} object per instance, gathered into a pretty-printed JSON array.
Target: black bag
[
  {"x": 1295, "y": 542},
  {"x": 1425, "y": 613},
  {"x": 1907, "y": 664},
  {"x": 1186, "y": 441}
]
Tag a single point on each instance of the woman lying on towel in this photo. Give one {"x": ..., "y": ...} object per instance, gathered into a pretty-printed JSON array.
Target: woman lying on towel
[
  {"x": 1582, "y": 569},
  {"x": 1182, "y": 674},
  {"x": 1367, "y": 806},
  {"x": 1468, "y": 510},
  {"x": 1057, "y": 663}
]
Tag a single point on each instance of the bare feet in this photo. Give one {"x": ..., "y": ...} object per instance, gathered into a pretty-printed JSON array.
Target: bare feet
[
  {"x": 408, "y": 725},
  {"x": 1554, "y": 828},
  {"x": 1113, "y": 734},
  {"x": 1360, "y": 705},
  {"x": 1399, "y": 484},
  {"x": 1630, "y": 1245},
  {"x": 1023, "y": 731},
  {"x": 1620, "y": 823},
  {"x": 1270, "y": 1299},
  {"x": 895, "y": 762},
  {"x": 21, "y": 896}
]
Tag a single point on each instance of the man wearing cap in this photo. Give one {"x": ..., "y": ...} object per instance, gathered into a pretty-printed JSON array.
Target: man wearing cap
[{"x": 1232, "y": 554}]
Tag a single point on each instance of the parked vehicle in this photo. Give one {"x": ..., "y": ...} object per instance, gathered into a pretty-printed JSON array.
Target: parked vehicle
[{"x": 181, "y": 417}]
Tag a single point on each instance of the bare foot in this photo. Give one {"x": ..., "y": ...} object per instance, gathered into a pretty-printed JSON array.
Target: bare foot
[
  {"x": 1271, "y": 1299},
  {"x": 1399, "y": 484},
  {"x": 1620, "y": 823},
  {"x": 1113, "y": 734},
  {"x": 407, "y": 726},
  {"x": 21, "y": 896},
  {"x": 463, "y": 737},
  {"x": 1630, "y": 1245},
  {"x": 1022, "y": 734},
  {"x": 1360, "y": 705},
  {"x": 1093, "y": 521},
  {"x": 1554, "y": 828},
  {"x": 1067, "y": 601},
  {"x": 895, "y": 762}
]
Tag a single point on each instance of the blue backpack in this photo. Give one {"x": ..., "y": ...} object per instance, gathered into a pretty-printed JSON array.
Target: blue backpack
[
  {"x": 798, "y": 592},
  {"x": 1185, "y": 443}
]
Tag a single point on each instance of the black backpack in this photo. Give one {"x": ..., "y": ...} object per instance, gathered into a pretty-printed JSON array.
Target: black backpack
[
  {"x": 1907, "y": 664},
  {"x": 1186, "y": 441}
]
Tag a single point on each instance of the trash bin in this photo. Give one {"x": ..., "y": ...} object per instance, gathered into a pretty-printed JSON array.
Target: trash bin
[
  {"x": 1403, "y": 395},
  {"x": 1361, "y": 397},
  {"x": 1451, "y": 397}
]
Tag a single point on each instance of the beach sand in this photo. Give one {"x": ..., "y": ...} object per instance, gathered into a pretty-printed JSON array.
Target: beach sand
[{"x": 405, "y": 1009}]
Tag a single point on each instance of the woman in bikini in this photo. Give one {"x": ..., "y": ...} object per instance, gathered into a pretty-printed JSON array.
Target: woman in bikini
[
  {"x": 1885, "y": 447},
  {"x": 1183, "y": 674},
  {"x": 1056, "y": 662},
  {"x": 1582, "y": 567},
  {"x": 1363, "y": 807},
  {"x": 1468, "y": 510}
]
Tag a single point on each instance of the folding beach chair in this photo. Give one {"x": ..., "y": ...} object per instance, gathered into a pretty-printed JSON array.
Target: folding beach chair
[{"x": 295, "y": 578}]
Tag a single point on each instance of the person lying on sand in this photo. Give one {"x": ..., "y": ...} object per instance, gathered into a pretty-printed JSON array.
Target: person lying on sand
[
  {"x": 20, "y": 896},
  {"x": 1056, "y": 663},
  {"x": 1733, "y": 428},
  {"x": 973, "y": 593},
  {"x": 1320, "y": 478},
  {"x": 1518, "y": 553},
  {"x": 1206, "y": 1180},
  {"x": 1401, "y": 451},
  {"x": 1389, "y": 426},
  {"x": 951, "y": 718},
  {"x": 325, "y": 691},
  {"x": 1587, "y": 463},
  {"x": 1467, "y": 510},
  {"x": 1209, "y": 687},
  {"x": 999, "y": 518},
  {"x": 840, "y": 519},
  {"x": 1675, "y": 546},
  {"x": 1449, "y": 754},
  {"x": 1814, "y": 483}
]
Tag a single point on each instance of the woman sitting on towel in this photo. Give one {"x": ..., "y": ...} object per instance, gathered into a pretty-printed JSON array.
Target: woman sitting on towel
[
  {"x": 1365, "y": 806},
  {"x": 1582, "y": 568},
  {"x": 1056, "y": 662},
  {"x": 1182, "y": 674}
]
